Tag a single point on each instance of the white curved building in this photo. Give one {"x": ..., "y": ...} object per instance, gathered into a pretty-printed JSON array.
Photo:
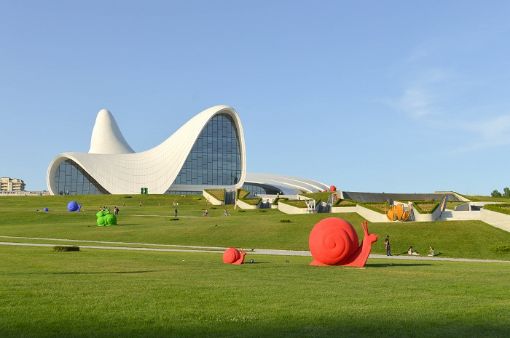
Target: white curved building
[
  {"x": 271, "y": 184},
  {"x": 206, "y": 152}
]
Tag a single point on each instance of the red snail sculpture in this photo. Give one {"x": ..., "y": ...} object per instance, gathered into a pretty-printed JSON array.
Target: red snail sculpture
[
  {"x": 333, "y": 241},
  {"x": 233, "y": 256}
]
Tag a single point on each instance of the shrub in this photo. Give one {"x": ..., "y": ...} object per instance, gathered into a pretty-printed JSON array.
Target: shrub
[
  {"x": 495, "y": 193},
  {"x": 65, "y": 248},
  {"x": 502, "y": 248}
]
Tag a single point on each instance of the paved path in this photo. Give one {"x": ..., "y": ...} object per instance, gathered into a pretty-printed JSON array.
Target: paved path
[{"x": 214, "y": 249}]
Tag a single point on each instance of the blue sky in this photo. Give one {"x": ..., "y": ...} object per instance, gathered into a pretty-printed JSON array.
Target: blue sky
[{"x": 393, "y": 96}]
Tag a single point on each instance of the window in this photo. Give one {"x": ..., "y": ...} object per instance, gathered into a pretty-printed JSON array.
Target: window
[
  {"x": 215, "y": 158},
  {"x": 71, "y": 179}
]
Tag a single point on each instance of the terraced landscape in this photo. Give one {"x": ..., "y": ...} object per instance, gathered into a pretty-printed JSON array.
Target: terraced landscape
[{"x": 99, "y": 292}]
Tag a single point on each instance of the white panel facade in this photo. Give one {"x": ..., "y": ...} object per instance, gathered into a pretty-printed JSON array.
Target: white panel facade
[{"x": 112, "y": 163}]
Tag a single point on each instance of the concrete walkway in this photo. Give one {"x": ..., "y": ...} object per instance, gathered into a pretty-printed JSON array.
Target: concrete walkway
[{"x": 213, "y": 249}]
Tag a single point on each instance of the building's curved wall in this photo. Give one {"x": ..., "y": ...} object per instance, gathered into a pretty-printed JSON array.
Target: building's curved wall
[
  {"x": 156, "y": 168},
  {"x": 215, "y": 158},
  {"x": 261, "y": 189},
  {"x": 289, "y": 185},
  {"x": 71, "y": 179}
]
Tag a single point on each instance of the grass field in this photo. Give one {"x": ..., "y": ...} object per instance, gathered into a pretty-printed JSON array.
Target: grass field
[
  {"x": 104, "y": 293},
  {"x": 123, "y": 293},
  {"x": 248, "y": 229}
]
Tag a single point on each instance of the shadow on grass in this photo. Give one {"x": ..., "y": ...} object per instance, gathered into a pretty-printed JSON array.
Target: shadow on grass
[
  {"x": 82, "y": 272},
  {"x": 387, "y": 265}
]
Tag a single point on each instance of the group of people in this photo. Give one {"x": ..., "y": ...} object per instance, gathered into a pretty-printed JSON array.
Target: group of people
[
  {"x": 410, "y": 251},
  {"x": 115, "y": 209},
  {"x": 205, "y": 212}
]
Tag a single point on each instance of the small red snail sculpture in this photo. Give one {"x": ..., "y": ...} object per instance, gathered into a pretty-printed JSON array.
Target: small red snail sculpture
[
  {"x": 233, "y": 256},
  {"x": 333, "y": 241}
]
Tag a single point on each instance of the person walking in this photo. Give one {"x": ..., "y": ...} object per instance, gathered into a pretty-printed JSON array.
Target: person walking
[
  {"x": 387, "y": 245},
  {"x": 176, "y": 211}
]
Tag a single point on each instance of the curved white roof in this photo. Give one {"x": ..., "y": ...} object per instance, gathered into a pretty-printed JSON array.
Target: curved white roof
[
  {"x": 289, "y": 185},
  {"x": 107, "y": 137},
  {"x": 114, "y": 165}
]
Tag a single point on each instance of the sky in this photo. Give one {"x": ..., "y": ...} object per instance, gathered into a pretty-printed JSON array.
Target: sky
[{"x": 380, "y": 96}]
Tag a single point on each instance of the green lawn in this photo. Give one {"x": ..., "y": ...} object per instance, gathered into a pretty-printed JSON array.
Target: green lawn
[
  {"x": 104, "y": 293},
  {"x": 247, "y": 229},
  {"x": 121, "y": 293}
]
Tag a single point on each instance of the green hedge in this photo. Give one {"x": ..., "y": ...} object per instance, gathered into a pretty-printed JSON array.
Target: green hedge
[
  {"x": 453, "y": 205},
  {"x": 487, "y": 199},
  {"x": 242, "y": 194},
  {"x": 344, "y": 203},
  {"x": 219, "y": 194},
  {"x": 252, "y": 201},
  {"x": 381, "y": 208},
  {"x": 294, "y": 203},
  {"x": 426, "y": 207},
  {"x": 318, "y": 196},
  {"x": 501, "y": 208}
]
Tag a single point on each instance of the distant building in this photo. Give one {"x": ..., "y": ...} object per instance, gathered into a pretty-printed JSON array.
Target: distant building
[{"x": 8, "y": 184}]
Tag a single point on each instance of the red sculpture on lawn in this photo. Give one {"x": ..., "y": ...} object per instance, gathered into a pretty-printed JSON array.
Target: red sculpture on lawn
[
  {"x": 333, "y": 241},
  {"x": 233, "y": 256}
]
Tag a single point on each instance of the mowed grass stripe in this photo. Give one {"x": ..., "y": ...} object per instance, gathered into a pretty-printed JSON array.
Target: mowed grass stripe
[{"x": 114, "y": 293}]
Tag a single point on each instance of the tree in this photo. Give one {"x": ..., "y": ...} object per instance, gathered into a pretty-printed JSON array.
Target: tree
[
  {"x": 495, "y": 193},
  {"x": 506, "y": 192}
]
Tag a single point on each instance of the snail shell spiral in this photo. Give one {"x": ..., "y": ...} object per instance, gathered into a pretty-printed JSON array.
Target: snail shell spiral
[
  {"x": 233, "y": 256},
  {"x": 332, "y": 240}
]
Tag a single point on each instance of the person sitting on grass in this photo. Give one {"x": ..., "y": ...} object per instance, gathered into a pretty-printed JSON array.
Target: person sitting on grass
[
  {"x": 412, "y": 252},
  {"x": 432, "y": 252}
]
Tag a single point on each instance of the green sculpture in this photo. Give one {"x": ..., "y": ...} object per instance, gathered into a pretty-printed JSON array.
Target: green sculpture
[{"x": 105, "y": 218}]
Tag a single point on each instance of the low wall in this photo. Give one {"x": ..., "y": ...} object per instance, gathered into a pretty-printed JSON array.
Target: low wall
[
  {"x": 418, "y": 217},
  {"x": 211, "y": 199},
  {"x": 449, "y": 215},
  {"x": 371, "y": 215},
  {"x": 289, "y": 209},
  {"x": 344, "y": 210},
  {"x": 243, "y": 205},
  {"x": 496, "y": 219}
]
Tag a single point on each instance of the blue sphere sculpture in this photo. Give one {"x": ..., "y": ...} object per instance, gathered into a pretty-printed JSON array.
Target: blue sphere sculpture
[{"x": 73, "y": 206}]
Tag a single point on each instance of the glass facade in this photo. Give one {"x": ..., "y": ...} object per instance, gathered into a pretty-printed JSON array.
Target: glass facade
[
  {"x": 260, "y": 189},
  {"x": 215, "y": 158},
  {"x": 71, "y": 179}
]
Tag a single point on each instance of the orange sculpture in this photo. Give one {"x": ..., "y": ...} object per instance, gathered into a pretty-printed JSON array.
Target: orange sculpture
[
  {"x": 333, "y": 241},
  {"x": 233, "y": 256},
  {"x": 397, "y": 213}
]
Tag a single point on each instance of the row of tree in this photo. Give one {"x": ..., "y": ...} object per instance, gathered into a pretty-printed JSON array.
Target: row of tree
[{"x": 506, "y": 193}]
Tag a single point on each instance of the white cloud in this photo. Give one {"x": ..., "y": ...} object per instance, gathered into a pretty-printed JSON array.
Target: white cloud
[
  {"x": 415, "y": 102},
  {"x": 421, "y": 97},
  {"x": 488, "y": 133}
]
